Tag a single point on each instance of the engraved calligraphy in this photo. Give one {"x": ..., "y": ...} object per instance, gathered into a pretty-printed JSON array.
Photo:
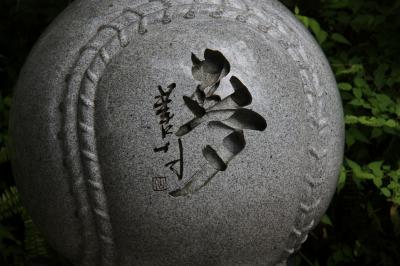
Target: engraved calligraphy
[
  {"x": 228, "y": 114},
  {"x": 162, "y": 110}
]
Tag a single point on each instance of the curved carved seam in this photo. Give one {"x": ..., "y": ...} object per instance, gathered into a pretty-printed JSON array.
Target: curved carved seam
[
  {"x": 167, "y": 18},
  {"x": 141, "y": 24},
  {"x": 309, "y": 226},
  {"x": 89, "y": 155},
  {"x": 191, "y": 12},
  {"x": 313, "y": 182},
  {"x": 318, "y": 154},
  {"x": 101, "y": 213},
  {"x": 92, "y": 76},
  {"x": 107, "y": 240},
  {"x": 263, "y": 28},
  {"x": 97, "y": 196},
  {"x": 96, "y": 185},
  {"x": 74, "y": 168},
  {"x": 104, "y": 223},
  {"x": 86, "y": 101},
  {"x": 308, "y": 208},
  {"x": 290, "y": 251},
  {"x": 297, "y": 232},
  {"x": 318, "y": 123},
  {"x": 86, "y": 128},
  {"x": 105, "y": 57},
  {"x": 304, "y": 239},
  {"x": 88, "y": 47},
  {"x": 316, "y": 83},
  {"x": 119, "y": 29}
]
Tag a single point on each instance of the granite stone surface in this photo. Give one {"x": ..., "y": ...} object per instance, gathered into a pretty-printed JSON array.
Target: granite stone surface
[{"x": 176, "y": 132}]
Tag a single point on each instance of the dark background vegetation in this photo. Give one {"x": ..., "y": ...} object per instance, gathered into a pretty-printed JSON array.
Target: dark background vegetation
[{"x": 361, "y": 40}]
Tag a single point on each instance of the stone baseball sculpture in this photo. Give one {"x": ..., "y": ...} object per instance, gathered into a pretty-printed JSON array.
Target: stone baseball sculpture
[{"x": 176, "y": 132}]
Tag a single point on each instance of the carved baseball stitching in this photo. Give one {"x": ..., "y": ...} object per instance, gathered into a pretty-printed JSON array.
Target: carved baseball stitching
[{"x": 95, "y": 56}]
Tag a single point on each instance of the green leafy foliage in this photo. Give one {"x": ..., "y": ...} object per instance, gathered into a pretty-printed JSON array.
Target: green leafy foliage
[
  {"x": 33, "y": 244},
  {"x": 9, "y": 203},
  {"x": 361, "y": 40}
]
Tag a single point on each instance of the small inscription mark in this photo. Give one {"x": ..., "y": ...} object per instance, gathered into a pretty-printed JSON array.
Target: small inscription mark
[{"x": 160, "y": 183}]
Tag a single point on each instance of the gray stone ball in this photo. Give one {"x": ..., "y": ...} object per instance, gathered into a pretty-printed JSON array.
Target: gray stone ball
[{"x": 176, "y": 132}]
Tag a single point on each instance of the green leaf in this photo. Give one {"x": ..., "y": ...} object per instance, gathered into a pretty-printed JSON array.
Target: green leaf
[
  {"x": 379, "y": 75},
  {"x": 345, "y": 86},
  {"x": 303, "y": 20},
  {"x": 372, "y": 121},
  {"x": 320, "y": 34},
  {"x": 395, "y": 175},
  {"x": 314, "y": 26},
  {"x": 339, "y": 38},
  {"x": 296, "y": 10},
  {"x": 357, "y": 92},
  {"x": 358, "y": 172},
  {"x": 355, "y": 68},
  {"x": 353, "y": 165},
  {"x": 360, "y": 102},
  {"x": 391, "y": 123},
  {"x": 342, "y": 179},
  {"x": 376, "y": 168},
  {"x": 359, "y": 82},
  {"x": 383, "y": 102},
  {"x": 351, "y": 119},
  {"x": 326, "y": 220},
  {"x": 350, "y": 140},
  {"x": 386, "y": 192},
  {"x": 377, "y": 181}
]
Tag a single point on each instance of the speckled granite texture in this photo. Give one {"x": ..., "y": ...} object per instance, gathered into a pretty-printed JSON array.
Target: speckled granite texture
[{"x": 181, "y": 132}]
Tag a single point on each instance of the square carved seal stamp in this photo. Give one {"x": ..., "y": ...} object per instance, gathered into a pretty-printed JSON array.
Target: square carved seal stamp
[{"x": 160, "y": 183}]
